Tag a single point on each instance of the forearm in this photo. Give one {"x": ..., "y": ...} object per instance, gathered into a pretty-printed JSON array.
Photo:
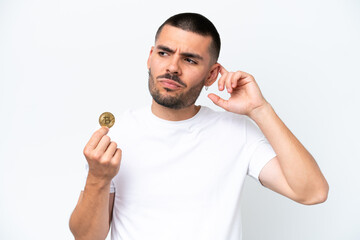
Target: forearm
[
  {"x": 90, "y": 219},
  {"x": 299, "y": 167}
]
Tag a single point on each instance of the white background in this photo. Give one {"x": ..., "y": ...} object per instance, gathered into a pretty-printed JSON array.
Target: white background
[{"x": 63, "y": 63}]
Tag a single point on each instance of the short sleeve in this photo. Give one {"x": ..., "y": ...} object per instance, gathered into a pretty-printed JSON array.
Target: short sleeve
[
  {"x": 112, "y": 185},
  {"x": 261, "y": 151}
]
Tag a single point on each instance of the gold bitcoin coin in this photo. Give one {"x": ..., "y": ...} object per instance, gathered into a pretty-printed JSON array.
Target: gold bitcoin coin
[{"x": 107, "y": 119}]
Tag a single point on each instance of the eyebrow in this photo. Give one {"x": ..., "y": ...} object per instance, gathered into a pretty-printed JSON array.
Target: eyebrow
[{"x": 185, "y": 54}]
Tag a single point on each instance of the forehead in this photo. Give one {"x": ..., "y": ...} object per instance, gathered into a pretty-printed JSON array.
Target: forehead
[{"x": 184, "y": 41}]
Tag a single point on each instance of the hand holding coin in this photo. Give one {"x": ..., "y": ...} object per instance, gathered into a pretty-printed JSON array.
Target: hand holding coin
[{"x": 102, "y": 154}]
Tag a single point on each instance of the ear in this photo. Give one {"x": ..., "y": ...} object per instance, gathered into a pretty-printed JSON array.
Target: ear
[
  {"x": 148, "y": 61},
  {"x": 213, "y": 74}
]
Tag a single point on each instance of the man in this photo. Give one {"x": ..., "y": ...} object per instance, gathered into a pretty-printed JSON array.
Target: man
[{"x": 182, "y": 165}]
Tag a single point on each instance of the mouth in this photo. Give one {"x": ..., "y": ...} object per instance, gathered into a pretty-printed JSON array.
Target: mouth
[{"x": 171, "y": 84}]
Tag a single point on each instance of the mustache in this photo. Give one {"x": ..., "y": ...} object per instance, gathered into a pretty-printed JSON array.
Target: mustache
[{"x": 172, "y": 77}]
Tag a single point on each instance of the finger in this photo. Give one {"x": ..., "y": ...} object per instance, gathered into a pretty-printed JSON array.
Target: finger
[
  {"x": 96, "y": 137},
  {"x": 222, "y": 70},
  {"x": 222, "y": 81},
  {"x": 103, "y": 144},
  {"x": 244, "y": 75},
  {"x": 235, "y": 79},
  {"x": 218, "y": 101},
  {"x": 110, "y": 151},
  {"x": 117, "y": 157},
  {"x": 228, "y": 80}
]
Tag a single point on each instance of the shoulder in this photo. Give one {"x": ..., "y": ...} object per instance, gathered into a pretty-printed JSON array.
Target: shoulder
[
  {"x": 233, "y": 122},
  {"x": 224, "y": 116}
]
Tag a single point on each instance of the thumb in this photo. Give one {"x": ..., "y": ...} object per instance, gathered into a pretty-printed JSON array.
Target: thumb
[{"x": 218, "y": 101}]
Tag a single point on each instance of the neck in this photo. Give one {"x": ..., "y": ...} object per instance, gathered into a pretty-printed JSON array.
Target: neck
[{"x": 174, "y": 114}]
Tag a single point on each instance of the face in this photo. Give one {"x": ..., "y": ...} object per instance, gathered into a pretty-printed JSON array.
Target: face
[{"x": 179, "y": 66}]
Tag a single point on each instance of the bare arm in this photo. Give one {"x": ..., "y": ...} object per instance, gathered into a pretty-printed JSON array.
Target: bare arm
[
  {"x": 92, "y": 224},
  {"x": 92, "y": 215},
  {"x": 293, "y": 172}
]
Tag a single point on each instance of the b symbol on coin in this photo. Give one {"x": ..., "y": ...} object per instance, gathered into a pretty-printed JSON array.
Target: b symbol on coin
[{"x": 107, "y": 119}]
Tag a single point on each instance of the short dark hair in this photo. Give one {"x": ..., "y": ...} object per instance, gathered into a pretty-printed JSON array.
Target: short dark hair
[{"x": 196, "y": 23}]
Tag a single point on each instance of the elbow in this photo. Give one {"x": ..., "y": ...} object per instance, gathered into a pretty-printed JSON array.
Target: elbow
[{"x": 320, "y": 196}]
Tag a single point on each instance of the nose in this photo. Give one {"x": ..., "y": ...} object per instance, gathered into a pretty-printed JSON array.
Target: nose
[{"x": 174, "y": 65}]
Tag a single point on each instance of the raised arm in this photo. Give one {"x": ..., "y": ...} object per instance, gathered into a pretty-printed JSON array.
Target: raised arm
[
  {"x": 293, "y": 172},
  {"x": 92, "y": 215}
]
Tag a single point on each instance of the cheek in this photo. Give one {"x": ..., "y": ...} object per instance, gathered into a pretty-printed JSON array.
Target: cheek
[
  {"x": 196, "y": 75},
  {"x": 156, "y": 66}
]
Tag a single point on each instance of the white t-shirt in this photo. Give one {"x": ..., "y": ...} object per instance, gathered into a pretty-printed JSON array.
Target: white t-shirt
[{"x": 183, "y": 179}]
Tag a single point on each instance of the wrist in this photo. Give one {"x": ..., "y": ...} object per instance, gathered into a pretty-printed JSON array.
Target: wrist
[
  {"x": 97, "y": 182},
  {"x": 260, "y": 112}
]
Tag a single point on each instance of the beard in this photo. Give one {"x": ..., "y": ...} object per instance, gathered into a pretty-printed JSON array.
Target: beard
[{"x": 179, "y": 100}]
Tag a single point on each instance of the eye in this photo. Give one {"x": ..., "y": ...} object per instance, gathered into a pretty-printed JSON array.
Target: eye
[
  {"x": 162, "y": 54},
  {"x": 189, "y": 60}
]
